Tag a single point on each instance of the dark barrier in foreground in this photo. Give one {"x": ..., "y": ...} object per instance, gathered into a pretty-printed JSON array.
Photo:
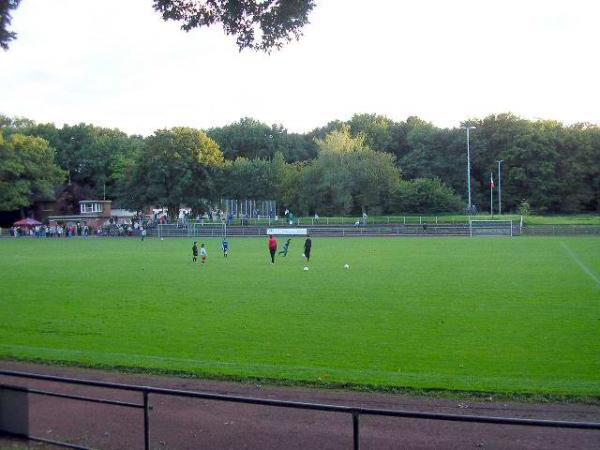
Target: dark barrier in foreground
[{"x": 355, "y": 412}]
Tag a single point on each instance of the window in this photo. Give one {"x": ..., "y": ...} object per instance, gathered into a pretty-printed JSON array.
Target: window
[{"x": 87, "y": 208}]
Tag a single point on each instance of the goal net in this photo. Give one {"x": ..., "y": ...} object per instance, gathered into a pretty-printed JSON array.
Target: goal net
[
  {"x": 490, "y": 228},
  {"x": 192, "y": 230}
]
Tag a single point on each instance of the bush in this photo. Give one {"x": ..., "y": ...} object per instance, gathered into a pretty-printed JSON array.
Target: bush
[
  {"x": 425, "y": 195},
  {"x": 525, "y": 208}
]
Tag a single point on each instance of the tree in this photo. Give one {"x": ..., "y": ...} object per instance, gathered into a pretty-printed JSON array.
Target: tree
[
  {"x": 176, "y": 167},
  {"x": 27, "y": 171},
  {"x": 348, "y": 176},
  {"x": 252, "y": 139},
  {"x": 94, "y": 158},
  {"x": 425, "y": 196},
  {"x": 248, "y": 179},
  {"x": 256, "y": 24},
  {"x": 5, "y": 18}
]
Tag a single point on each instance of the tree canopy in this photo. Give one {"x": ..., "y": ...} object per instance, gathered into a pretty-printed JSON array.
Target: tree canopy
[
  {"x": 175, "y": 167},
  {"x": 5, "y": 19},
  {"x": 256, "y": 24},
  {"x": 27, "y": 171},
  {"x": 368, "y": 162}
]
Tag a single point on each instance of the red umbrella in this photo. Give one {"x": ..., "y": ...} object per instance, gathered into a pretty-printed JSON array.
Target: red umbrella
[{"x": 27, "y": 223}]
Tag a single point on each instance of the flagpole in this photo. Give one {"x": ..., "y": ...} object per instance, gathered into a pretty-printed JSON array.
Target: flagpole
[{"x": 491, "y": 195}]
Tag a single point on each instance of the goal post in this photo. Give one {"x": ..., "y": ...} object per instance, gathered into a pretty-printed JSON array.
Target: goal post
[
  {"x": 490, "y": 228},
  {"x": 192, "y": 230},
  {"x": 215, "y": 229}
]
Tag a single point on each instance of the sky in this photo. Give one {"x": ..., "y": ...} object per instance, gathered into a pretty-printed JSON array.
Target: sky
[{"x": 117, "y": 64}]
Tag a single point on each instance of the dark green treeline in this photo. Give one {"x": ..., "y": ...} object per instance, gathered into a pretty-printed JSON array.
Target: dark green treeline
[{"x": 366, "y": 163}]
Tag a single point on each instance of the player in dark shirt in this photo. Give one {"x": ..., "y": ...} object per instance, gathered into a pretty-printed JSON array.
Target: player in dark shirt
[
  {"x": 195, "y": 252},
  {"x": 307, "y": 247}
]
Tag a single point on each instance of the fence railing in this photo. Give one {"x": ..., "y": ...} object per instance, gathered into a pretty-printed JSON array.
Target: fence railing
[{"x": 355, "y": 412}]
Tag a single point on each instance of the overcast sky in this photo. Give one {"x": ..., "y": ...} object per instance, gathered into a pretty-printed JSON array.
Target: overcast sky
[{"x": 115, "y": 63}]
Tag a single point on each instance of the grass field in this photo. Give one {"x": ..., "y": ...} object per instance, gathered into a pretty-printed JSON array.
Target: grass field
[{"x": 518, "y": 315}]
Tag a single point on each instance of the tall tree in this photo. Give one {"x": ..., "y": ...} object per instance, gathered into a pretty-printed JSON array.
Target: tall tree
[
  {"x": 5, "y": 18},
  {"x": 348, "y": 176},
  {"x": 252, "y": 139},
  {"x": 256, "y": 24},
  {"x": 27, "y": 171},
  {"x": 176, "y": 167}
]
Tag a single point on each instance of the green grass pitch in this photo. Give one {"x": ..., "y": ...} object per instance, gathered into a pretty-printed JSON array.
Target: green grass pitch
[{"x": 518, "y": 315}]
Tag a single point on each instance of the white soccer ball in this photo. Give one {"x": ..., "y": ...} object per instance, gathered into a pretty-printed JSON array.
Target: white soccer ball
[
  {"x": 346, "y": 266},
  {"x": 305, "y": 267},
  {"x": 162, "y": 239}
]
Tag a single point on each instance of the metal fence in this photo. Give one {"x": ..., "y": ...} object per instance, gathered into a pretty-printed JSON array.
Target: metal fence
[
  {"x": 355, "y": 412},
  {"x": 164, "y": 231},
  {"x": 562, "y": 230}
]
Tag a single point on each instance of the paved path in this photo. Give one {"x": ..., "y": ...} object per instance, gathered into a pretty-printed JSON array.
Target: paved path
[{"x": 178, "y": 423}]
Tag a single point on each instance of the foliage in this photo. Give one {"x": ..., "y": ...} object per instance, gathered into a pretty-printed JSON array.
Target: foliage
[
  {"x": 346, "y": 167},
  {"x": 27, "y": 171},
  {"x": 96, "y": 159},
  {"x": 248, "y": 178},
  {"x": 494, "y": 315},
  {"x": 525, "y": 208},
  {"x": 347, "y": 176},
  {"x": 426, "y": 196},
  {"x": 256, "y": 24},
  {"x": 5, "y": 18},
  {"x": 176, "y": 167},
  {"x": 252, "y": 139}
]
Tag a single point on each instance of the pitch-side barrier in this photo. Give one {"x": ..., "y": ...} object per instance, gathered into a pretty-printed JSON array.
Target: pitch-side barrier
[
  {"x": 331, "y": 231},
  {"x": 14, "y": 397}
]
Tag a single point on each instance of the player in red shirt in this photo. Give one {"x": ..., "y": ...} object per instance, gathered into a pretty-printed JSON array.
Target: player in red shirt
[{"x": 272, "y": 248}]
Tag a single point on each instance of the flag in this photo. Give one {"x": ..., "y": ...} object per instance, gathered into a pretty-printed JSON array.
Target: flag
[{"x": 492, "y": 184}]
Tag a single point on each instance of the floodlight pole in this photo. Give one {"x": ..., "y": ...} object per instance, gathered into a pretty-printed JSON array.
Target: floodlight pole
[
  {"x": 499, "y": 186},
  {"x": 468, "y": 128}
]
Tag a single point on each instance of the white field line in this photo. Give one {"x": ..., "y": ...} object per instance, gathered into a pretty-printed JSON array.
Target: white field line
[{"x": 580, "y": 263}]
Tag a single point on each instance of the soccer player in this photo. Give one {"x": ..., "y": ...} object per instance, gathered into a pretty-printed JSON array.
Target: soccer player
[
  {"x": 225, "y": 246},
  {"x": 203, "y": 253},
  {"x": 195, "y": 252},
  {"x": 307, "y": 247},
  {"x": 286, "y": 247},
  {"x": 272, "y": 248}
]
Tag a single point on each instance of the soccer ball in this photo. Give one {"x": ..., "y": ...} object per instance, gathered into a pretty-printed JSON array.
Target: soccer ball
[
  {"x": 346, "y": 266},
  {"x": 303, "y": 255},
  {"x": 305, "y": 267},
  {"x": 162, "y": 239}
]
